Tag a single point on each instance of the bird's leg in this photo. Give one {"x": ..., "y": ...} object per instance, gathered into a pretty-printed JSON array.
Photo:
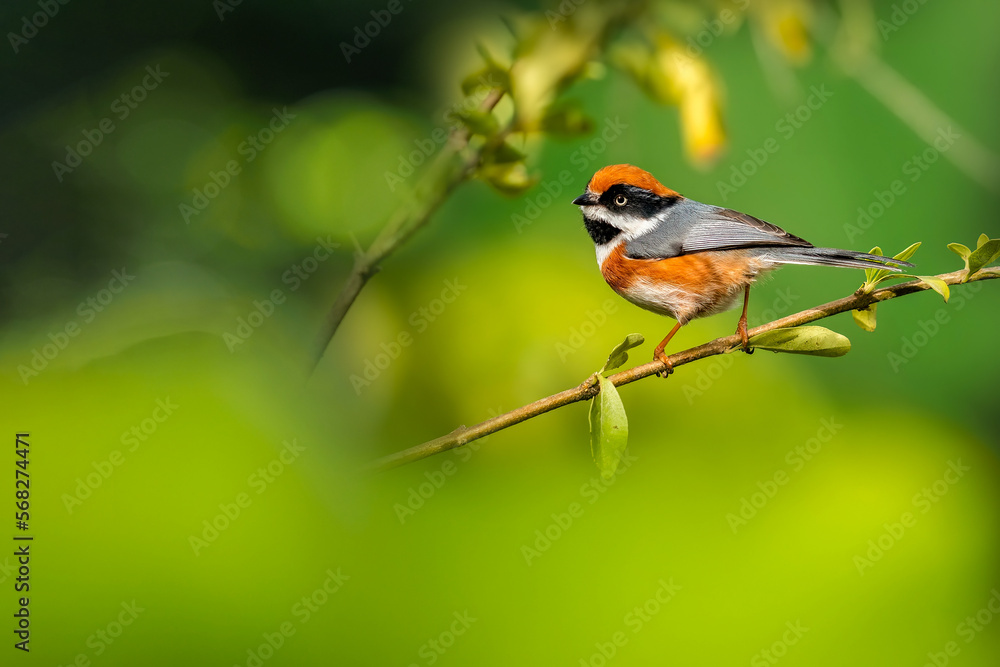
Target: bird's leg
[
  {"x": 658, "y": 354},
  {"x": 741, "y": 326}
]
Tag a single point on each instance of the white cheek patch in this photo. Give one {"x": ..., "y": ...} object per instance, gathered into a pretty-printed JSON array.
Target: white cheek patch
[
  {"x": 597, "y": 213},
  {"x": 636, "y": 226},
  {"x": 632, "y": 226}
]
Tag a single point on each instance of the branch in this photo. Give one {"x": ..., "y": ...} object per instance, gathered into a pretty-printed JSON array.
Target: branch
[
  {"x": 555, "y": 67},
  {"x": 401, "y": 227},
  {"x": 463, "y": 436}
]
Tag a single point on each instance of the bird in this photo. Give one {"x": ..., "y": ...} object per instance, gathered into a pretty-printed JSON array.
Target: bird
[{"x": 678, "y": 257}]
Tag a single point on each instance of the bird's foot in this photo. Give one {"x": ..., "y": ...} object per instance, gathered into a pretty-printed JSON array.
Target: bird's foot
[
  {"x": 741, "y": 331},
  {"x": 659, "y": 355}
]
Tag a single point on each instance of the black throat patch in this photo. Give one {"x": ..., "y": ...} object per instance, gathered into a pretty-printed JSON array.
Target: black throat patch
[{"x": 600, "y": 231}]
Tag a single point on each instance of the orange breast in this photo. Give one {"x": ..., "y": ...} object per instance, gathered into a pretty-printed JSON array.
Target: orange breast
[{"x": 684, "y": 287}]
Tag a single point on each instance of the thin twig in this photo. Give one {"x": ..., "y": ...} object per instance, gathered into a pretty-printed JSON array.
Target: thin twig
[
  {"x": 400, "y": 229},
  {"x": 609, "y": 17},
  {"x": 463, "y": 436}
]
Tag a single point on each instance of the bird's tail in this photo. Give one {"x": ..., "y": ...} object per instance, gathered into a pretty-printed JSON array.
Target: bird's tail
[{"x": 835, "y": 257}]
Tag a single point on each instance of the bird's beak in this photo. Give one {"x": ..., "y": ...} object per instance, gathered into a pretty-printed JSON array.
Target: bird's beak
[{"x": 586, "y": 199}]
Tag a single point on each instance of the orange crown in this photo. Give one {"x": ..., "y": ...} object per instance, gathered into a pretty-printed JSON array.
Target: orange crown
[{"x": 630, "y": 175}]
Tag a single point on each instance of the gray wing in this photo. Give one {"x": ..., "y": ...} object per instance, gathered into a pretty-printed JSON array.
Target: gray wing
[{"x": 690, "y": 226}]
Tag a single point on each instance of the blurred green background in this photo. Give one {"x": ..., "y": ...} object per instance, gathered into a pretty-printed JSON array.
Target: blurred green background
[{"x": 186, "y": 468}]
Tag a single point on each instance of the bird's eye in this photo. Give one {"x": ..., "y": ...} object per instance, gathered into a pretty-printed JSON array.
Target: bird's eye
[{"x": 620, "y": 200}]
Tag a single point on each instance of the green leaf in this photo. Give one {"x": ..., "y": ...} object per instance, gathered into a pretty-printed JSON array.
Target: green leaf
[
  {"x": 960, "y": 249},
  {"x": 473, "y": 81},
  {"x": 983, "y": 255},
  {"x": 494, "y": 74},
  {"x": 865, "y": 318},
  {"x": 479, "y": 122},
  {"x": 608, "y": 428},
  {"x": 869, "y": 273},
  {"x": 813, "y": 340},
  {"x": 619, "y": 355},
  {"x": 878, "y": 275},
  {"x": 908, "y": 253},
  {"x": 490, "y": 77},
  {"x": 983, "y": 238},
  {"x": 963, "y": 252},
  {"x": 505, "y": 153},
  {"x": 511, "y": 178},
  {"x": 639, "y": 62},
  {"x": 567, "y": 119},
  {"x": 485, "y": 54},
  {"x": 936, "y": 284}
]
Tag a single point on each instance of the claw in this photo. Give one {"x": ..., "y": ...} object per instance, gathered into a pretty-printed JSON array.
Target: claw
[
  {"x": 741, "y": 331},
  {"x": 659, "y": 355},
  {"x": 665, "y": 360},
  {"x": 741, "y": 326}
]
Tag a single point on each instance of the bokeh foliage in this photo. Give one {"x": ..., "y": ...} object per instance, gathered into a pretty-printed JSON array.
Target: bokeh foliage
[{"x": 497, "y": 312}]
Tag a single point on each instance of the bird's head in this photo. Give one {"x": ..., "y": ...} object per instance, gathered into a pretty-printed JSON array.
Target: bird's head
[{"x": 623, "y": 199}]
